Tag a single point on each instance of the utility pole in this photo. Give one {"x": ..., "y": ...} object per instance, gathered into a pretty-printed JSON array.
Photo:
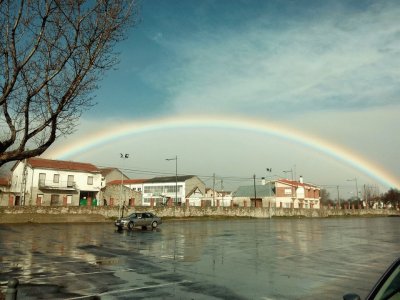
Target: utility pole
[
  {"x": 295, "y": 175},
  {"x": 222, "y": 191},
  {"x": 213, "y": 189},
  {"x": 365, "y": 195},
  {"x": 358, "y": 199},
  {"x": 269, "y": 190},
  {"x": 255, "y": 192},
  {"x": 338, "y": 197}
]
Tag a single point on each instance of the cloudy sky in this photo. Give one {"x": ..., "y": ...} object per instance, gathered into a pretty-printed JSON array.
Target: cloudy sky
[{"x": 325, "y": 69}]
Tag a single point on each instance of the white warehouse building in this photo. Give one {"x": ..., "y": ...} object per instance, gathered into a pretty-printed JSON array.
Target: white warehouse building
[{"x": 160, "y": 189}]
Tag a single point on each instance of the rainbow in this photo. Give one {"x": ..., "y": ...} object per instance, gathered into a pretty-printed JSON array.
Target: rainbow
[{"x": 337, "y": 152}]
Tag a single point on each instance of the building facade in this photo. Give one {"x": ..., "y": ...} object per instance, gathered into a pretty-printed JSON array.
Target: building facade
[
  {"x": 218, "y": 198},
  {"x": 296, "y": 194},
  {"x": 5, "y": 192},
  {"x": 255, "y": 195},
  {"x": 117, "y": 194},
  {"x": 38, "y": 181},
  {"x": 160, "y": 189},
  {"x": 279, "y": 193},
  {"x": 112, "y": 174}
]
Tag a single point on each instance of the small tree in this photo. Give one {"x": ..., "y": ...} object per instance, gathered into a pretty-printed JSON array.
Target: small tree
[
  {"x": 371, "y": 195},
  {"x": 325, "y": 198},
  {"x": 391, "y": 197},
  {"x": 52, "y": 53}
]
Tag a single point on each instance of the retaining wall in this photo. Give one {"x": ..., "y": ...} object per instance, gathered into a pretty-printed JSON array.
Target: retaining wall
[{"x": 47, "y": 214}]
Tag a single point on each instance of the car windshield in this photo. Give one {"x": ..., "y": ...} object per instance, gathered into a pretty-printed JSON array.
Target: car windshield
[{"x": 390, "y": 289}]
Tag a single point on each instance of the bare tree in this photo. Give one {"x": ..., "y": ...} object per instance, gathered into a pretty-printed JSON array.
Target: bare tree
[
  {"x": 326, "y": 198},
  {"x": 52, "y": 54},
  {"x": 371, "y": 195}
]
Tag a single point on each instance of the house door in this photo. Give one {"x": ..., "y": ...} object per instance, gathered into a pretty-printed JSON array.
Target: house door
[
  {"x": 39, "y": 199},
  {"x": 256, "y": 202},
  {"x": 55, "y": 200}
]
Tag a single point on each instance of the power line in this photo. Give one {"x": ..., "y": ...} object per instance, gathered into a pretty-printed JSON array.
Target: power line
[
  {"x": 206, "y": 178},
  {"x": 157, "y": 172}
]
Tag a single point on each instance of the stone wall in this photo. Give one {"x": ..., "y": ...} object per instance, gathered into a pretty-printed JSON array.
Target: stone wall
[{"x": 46, "y": 214}]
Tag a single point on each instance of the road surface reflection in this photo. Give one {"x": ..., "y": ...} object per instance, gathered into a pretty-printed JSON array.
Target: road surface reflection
[{"x": 223, "y": 259}]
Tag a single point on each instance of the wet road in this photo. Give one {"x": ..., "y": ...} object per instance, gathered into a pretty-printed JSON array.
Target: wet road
[{"x": 225, "y": 259}]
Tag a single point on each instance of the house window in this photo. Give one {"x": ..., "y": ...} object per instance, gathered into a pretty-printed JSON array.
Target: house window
[
  {"x": 70, "y": 182},
  {"x": 90, "y": 180},
  {"x": 56, "y": 178},
  {"x": 55, "y": 200},
  {"x": 42, "y": 179}
]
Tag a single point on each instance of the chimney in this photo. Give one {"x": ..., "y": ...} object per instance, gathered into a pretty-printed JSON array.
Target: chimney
[
  {"x": 263, "y": 180},
  {"x": 301, "y": 179}
]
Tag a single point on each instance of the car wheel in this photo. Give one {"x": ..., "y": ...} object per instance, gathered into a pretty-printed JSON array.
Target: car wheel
[
  {"x": 119, "y": 228},
  {"x": 130, "y": 225},
  {"x": 154, "y": 224}
]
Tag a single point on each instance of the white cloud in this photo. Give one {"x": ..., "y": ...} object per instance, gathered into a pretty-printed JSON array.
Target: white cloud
[{"x": 342, "y": 61}]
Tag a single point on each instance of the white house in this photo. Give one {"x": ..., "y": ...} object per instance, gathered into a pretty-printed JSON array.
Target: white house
[
  {"x": 283, "y": 193},
  {"x": 194, "y": 197},
  {"x": 5, "y": 185},
  {"x": 296, "y": 194},
  {"x": 38, "y": 181},
  {"x": 215, "y": 197},
  {"x": 160, "y": 189}
]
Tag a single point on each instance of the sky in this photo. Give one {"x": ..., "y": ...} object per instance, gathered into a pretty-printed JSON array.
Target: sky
[{"x": 324, "y": 70}]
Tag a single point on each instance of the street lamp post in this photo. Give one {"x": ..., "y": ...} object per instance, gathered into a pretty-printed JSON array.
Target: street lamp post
[
  {"x": 176, "y": 176},
  {"x": 121, "y": 210},
  {"x": 358, "y": 199}
]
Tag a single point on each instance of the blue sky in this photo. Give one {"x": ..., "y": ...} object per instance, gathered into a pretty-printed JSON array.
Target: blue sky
[
  {"x": 257, "y": 57},
  {"x": 329, "y": 68}
]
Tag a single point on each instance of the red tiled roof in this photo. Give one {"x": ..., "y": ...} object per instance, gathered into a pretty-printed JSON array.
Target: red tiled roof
[
  {"x": 36, "y": 162},
  {"x": 5, "y": 181},
  {"x": 127, "y": 181}
]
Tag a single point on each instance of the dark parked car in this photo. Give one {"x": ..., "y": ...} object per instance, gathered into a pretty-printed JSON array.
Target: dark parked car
[
  {"x": 387, "y": 287},
  {"x": 136, "y": 219}
]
